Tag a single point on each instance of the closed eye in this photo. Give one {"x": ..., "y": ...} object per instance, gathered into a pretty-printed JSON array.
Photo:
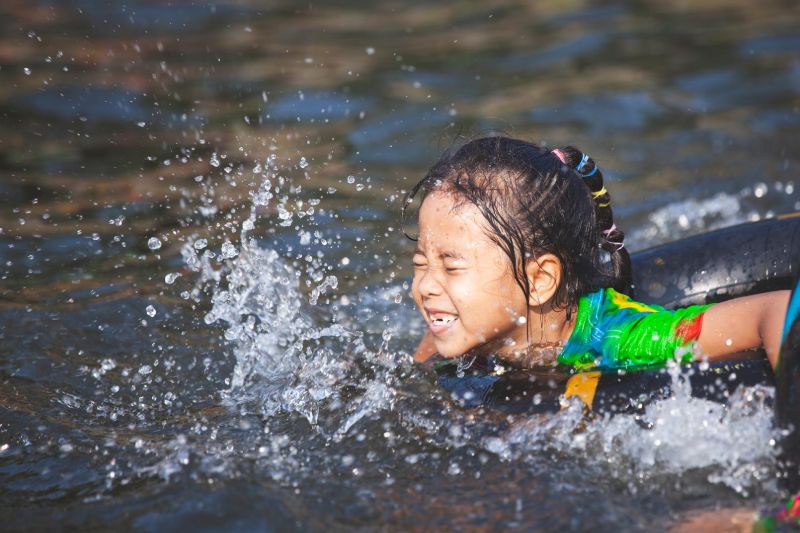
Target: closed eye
[{"x": 454, "y": 266}]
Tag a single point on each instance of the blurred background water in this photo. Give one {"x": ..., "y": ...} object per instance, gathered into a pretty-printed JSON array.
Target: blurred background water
[{"x": 203, "y": 286}]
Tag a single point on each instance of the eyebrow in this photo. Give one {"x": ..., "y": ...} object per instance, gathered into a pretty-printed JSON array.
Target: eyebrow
[
  {"x": 452, "y": 255},
  {"x": 446, "y": 254}
]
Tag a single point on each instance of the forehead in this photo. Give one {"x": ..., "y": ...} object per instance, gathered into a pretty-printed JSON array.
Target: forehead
[{"x": 446, "y": 221}]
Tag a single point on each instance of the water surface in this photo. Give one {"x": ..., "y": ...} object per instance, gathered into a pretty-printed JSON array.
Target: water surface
[{"x": 203, "y": 284}]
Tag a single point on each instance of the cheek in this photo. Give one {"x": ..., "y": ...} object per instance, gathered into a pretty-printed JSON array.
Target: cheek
[
  {"x": 505, "y": 297},
  {"x": 476, "y": 303},
  {"x": 415, "y": 294}
]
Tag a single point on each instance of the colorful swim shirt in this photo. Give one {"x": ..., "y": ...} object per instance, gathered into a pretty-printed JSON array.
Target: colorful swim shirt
[{"x": 614, "y": 332}]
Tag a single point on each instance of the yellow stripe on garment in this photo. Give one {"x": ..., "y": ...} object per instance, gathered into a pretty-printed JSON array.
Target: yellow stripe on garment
[
  {"x": 624, "y": 302},
  {"x": 583, "y": 385}
]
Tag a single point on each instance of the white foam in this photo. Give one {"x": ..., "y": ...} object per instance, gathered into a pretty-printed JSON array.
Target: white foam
[
  {"x": 688, "y": 217},
  {"x": 729, "y": 444}
]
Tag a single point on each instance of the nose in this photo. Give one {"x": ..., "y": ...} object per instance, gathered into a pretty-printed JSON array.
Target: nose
[{"x": 427, "y": 283}]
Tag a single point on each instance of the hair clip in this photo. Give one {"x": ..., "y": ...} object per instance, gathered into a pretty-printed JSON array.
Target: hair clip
[
  {"x": 607, "y": 234},
  {"x": 584, "y": 160},
  {"x": 598, "y": 194},
  {"x": 560, "y": 155},
  {"x": 591, "y": 172}
]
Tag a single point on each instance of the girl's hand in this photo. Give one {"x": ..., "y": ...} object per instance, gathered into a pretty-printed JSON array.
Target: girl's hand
[{"x": 426, "y": 349}]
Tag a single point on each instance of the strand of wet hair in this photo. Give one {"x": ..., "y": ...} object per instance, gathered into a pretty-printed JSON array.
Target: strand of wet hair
[{"x": 612, "y": 238}]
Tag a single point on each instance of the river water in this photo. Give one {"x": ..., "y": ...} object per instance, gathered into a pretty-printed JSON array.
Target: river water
[{"x": 204, "y": 289}]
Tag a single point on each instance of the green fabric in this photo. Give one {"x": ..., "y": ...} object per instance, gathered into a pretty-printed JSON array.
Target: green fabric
[{"x": 614, "y": 332}]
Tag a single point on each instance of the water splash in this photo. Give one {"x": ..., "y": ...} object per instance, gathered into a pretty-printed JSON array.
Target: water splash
[
  {"x": 688, "y": 217},
  {"x": 731, "y": 444},
  {"x": 692, "y": 216},
  {"x": 288, "y": 359}
]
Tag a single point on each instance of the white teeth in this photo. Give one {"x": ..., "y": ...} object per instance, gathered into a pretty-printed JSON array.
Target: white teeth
[{"x": 443, "y": 321}]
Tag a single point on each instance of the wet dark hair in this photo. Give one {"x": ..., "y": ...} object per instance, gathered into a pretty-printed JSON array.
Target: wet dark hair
[{"x": 535, "y": 204}]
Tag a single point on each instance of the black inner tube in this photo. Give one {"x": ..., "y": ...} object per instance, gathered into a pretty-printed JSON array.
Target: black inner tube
[
  {"x": 533, "y": 392},
  {"x": 719, "y": 265}
]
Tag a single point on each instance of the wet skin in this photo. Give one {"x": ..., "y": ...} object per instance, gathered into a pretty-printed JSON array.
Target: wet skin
[{"x": 463, "y": 284}]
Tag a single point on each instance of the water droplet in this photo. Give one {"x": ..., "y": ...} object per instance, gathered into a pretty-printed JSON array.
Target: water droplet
[
  {"x": 170, "y": 278},
  {"x": 370, "y": 51},
  {"x": 229, "y": 251},
  {"x": 153, "y": 243},
  {"x": 145, "y": 369},
  {"x": 27, "y": 71},
  {"x": 200, "y": 244},
  {"x": 141, "y": 124},
  {"x": 760, "y": 190},
  {"x": 351, "y": 179},
  {"x": 214, "y": 161},
  {"x": 151, "y": 311},
  {"x": 303, "y": 162},
  {"x": 345, "y": 261}
]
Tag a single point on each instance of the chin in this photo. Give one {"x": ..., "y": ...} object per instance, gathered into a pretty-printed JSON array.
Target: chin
[
  {"x": 448, "y": 353},
  {"x": 453, "y": 352}
]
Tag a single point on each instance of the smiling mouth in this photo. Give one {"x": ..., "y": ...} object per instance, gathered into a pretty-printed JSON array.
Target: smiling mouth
[{"x": 441, "y": 322}]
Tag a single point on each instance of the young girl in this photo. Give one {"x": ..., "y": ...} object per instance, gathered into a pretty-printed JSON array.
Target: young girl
[{"x": 509, "y": 263}]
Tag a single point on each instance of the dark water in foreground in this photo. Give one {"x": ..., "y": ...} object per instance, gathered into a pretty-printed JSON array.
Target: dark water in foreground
[{"x": 203, "y": 287}]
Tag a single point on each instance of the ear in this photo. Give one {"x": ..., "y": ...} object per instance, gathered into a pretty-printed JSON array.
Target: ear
[{"x": 544, "y": 278}]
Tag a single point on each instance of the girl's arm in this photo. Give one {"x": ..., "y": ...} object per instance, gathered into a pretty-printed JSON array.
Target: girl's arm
[
  {"x": 745, "y": 323},
  {"x": 425, "y": 349}
]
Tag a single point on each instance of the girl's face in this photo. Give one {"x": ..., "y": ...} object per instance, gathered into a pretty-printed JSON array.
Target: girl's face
[{"x": 463, "y": 284}]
